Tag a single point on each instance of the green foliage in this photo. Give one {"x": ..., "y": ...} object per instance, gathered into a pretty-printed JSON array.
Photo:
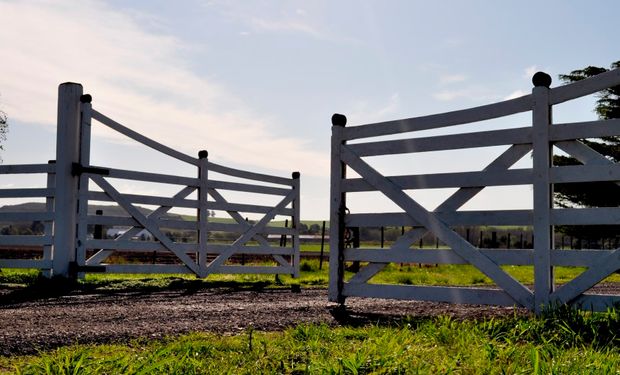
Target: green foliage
[
  {"x": 593, "y": 194},
  {"x": 561, "y": 341}
]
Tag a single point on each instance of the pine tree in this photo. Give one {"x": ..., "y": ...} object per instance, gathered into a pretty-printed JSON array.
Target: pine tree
[{"x": 594, "y": 194}]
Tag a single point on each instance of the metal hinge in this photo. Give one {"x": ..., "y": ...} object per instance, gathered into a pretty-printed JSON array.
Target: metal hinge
[{"x": 77, "y": 169}]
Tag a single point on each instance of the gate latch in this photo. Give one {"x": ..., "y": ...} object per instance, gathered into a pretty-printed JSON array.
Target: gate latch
[{"x": 77, "y": 169}]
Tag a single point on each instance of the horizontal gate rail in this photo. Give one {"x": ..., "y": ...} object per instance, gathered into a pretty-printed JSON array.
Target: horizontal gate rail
[
  {"x": 351, "y": 146},
  {"x": 41, "y": 241},
  {"x": 74, "y": 240}
]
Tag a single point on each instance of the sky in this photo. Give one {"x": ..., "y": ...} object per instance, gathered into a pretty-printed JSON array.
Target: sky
[{"x": 256, "y": 82}]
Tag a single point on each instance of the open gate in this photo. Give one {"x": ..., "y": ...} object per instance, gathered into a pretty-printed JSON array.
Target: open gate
[
  {"x": 352, "y": 146},
  {"x": 77, "y": 244}
]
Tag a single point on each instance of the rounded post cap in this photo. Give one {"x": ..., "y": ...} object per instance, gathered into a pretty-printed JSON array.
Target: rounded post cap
[
  {"x": 86, "y": 98},
  {"x": 541, "y": 79},
  {"x": 339, "y": 120},
  {"x": 296, "y": 175},
  {"x": 203, "y": 154}
]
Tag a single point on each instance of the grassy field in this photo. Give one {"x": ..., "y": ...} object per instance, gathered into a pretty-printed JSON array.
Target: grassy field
[{"x": 561, "y": 342}]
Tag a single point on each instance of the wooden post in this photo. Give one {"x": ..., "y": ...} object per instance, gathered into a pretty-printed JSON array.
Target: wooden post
[
  {"x": 203, "y": 209},
  {"x": 83, "y": 182},
  {"x": 296, "y": 223},
  {"x": 337, "y": 208},
  {"x": 543, "y": 192},
  {"x": 322, "y": 245},
  {"x": 382, "y": 237},
  {"x": 67, "y": 153}
]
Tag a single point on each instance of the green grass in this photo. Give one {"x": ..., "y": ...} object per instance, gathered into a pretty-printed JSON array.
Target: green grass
[
  {"x": 310, "y": 276},
  {"x": 561, "y": 342}
]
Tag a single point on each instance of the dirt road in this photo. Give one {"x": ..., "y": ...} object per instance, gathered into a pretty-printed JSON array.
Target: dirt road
[{"x": 31, "y": 323}]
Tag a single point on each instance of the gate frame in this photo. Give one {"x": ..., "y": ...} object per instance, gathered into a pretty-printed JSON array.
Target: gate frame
[
  {"x": 66, "y": 217},
  {"x": 542, "y": 136}
]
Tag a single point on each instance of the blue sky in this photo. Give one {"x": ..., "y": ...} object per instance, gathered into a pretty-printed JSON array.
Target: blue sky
[{"x": 256, "y": 82}]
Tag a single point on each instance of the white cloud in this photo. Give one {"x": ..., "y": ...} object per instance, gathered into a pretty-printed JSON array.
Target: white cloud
[
  {"x": 137, "y": 78},
  {"x": 362, "y": 111},
  {"x": 516, "y": 94},
  {"x": 529, "y": 71},
  {"x": 452, "y": 78},
  {"x": 473, "y": 93}
]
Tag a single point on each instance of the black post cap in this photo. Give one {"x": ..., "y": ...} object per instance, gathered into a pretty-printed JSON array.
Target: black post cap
[
  {"x": 296, "y": 175},
  {"x": 339, "y": 120},
  {"x": 541, "y": 79},
  {"x": 203, "y": 154},
  {"x": 86, "y": 98}
]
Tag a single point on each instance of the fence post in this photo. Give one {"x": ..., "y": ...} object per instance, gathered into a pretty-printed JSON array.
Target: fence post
[
  {"x": 322, "y": 245},
  {"x": 543, "y": 191},
  {"x": 203, "y": 210},
  {"x": 337, "y": 212},
  {"x": 83, "y": 181},
  {"x": 67, "y": 153},
  {"x": 296, "y": 224}
]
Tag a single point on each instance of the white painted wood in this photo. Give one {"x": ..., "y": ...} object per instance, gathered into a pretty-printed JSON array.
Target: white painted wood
[
  {"x": 26, "y": 263},
  {"x": 584, "y": 87},
  {"x": 583, "y": 153},
  {"x": 251, "y": 249},
  {"x": 83, "y": 183},
  {"x": 599, "y": 270},
  {"x": 25, "y": 240},
  {"x": 247, "y": 188},
  {"x": 27, "y": 193},
  {"x": 128, "y": 221},
  {"x": 247, "y": 236},
  {"x": 509, "y": 157},
  {"x": 137, "y": 246},
  {"x": 145, "y": 199},
  {"x": 146, "y": 268},
  {"x": 593, "y": 302},
  {"x": 142, "y": 139},
  {"x": 67, "y": 153},
  {"x": 445, "y": 234},
  {"x": 448, "y": 180},
  {"x": 581, "y": 130},
  {"x": 250, "y": 175},
  {"x": 576, "y": 258},
  {"x": 543, "y": 198},
  {"x": 255, "y": 269},
  {"x": 27, "y": 168},
  {"x": 26, "y": 216},
  {"x": 586, "y": 216},
  {"x": 48, "y": 229},
  {"x": 337, "y": 204},
  {"x": 444, "y": 142},
  {"x": 147, "y": 223},
  {"x": 153, "y": 177},
  {"x": 458, "y": 218},
  {"x": 203, "y": 212},
  {"x": 238, "y": 228},
  {"x": 366, "y": 272},
  {"x": 249, "y": 208},
  {"x": 296, "y": 224},
  {"x": 476, "y": 296},
  {"x": 519, "y": 257},
  {"x": 465, "y": 116},
  {"x": 580, "y": 173}
]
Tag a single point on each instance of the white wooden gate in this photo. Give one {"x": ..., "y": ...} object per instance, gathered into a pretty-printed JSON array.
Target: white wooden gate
[
  {"x": 350, "y": 145},
  {"x": 71, "y": 248}
]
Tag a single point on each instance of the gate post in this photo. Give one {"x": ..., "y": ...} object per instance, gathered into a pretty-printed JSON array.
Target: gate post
[
  {"x": 337, "y": 211},
  {"x": 543, "y": 192},
  {"x": 67, "y": 153},
  {"x": 203, "y": 210}
]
